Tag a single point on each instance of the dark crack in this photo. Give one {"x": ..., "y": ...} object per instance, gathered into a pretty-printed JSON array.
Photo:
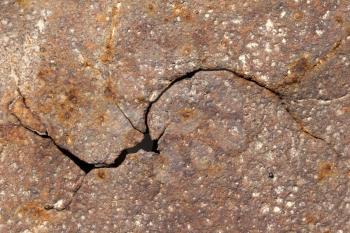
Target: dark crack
[
  {"x": 147, "y": 144},
  {"x": 250, "y": 78},
  {"x": 289, "y": 80},
  {"x": 128, "y": 119},
  {"x": 151, "y": 145}
]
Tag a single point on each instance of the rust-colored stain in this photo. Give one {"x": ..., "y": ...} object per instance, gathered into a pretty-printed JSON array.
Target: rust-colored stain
[
  {"x": 109, "y": 91},
  {"x": 34, "y": 211},
  {"x": 12, "y": 133},
  {"x": 298, "y": 16},
  {"x": 101, "y": 173},
  {"x": 23, "y": 3},
  {"x": 186, "y": 113},
  {"x": 186, "y": 50},
  {"x": 45, "y": 73},
  {"x": 19, "y": 109},
  {"x": 326, "y": 169},
  {"x": 109, "y": 50},
  {"x": 300, "y": 67},
  {"x": 297, "y": 70},
  {"x": 215, "y": 170},
  {"x": 151, "y": 8},
  {"x": 339, "y": 19},
  {"x": 101, "y": 18},
  {"x": 67, "y": 109},
  {"x": 181, "y": 11},
  {"x": 102, "y": 119},
  {"x": 310, "y": 219}
]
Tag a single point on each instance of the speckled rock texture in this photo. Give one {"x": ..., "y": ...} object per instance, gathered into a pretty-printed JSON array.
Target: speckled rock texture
[{"x": 174, "y": 116}]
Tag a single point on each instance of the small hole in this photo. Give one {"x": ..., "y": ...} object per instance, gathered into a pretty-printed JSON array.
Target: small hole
[{"x": 271, "y": 175}]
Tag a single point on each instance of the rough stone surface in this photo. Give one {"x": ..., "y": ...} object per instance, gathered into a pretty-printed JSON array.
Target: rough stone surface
[
  {"x": 321, "y": 100},
  {"x": 35, "y": 177},
  {"x": 247, "y": 102}
]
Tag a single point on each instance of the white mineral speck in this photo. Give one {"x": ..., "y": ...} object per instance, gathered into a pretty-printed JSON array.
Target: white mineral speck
[
  {"x": 265, "y": 209},
  {"x": 40, "y": 25},
  {"x": 59, "y": 204},
  {"x": 269, "y": 25},
  {"x": 276, "y": 209}
]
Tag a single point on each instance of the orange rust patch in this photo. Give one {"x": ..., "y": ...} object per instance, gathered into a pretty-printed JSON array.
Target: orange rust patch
[
  {"x": 34, "y": 211},
  {"x": 151, "y": 8},
  {"x": 325, "y": 170},
  {"x": 102, "y": 119},
  {"x": 23, "y": 3},
  {"x": 109, "y": 91},
  {"x": 299, "y": 15},
  {"x": 186, "y": 50},
  {"x": 12, "y": 133},
  {"x": 181, "y": 11},
  {"x": 297, "y": 70},
  {"x": 45, "y": 73},
  {"x": 224, "y": 43},
  {"x": 101, "y": 173},
  {"x": 215, "y": 170},
  {"x": 109, "y": 52},
  {"x": 310, "y": 219},
  {"x": 186, "y": 113},
  {"x": 339, "y": 19},
  {"x": 101, "y": 18},
  {"x": 19, "y": 109}
]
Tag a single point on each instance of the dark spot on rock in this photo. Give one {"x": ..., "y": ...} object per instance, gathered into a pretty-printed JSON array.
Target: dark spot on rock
[
  {"x": 45, "y": 73},
  {"x": 72, "y": 97},
  {"x": 102, "y": 118},
  {"x": 67, "y": 115},
  {"x": 300, "y": 66},
  {"x": 108, "y": 92},
  {"x": 271, "y": 175},
  {"x": 339, "y": 19}
]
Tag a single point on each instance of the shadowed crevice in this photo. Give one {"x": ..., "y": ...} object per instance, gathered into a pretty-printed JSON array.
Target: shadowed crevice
[
  {"x": 147, "y": 144},
  {"x": 151, "y": 145}
]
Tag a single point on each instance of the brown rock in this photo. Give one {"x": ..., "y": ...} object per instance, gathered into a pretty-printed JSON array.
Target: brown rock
[
  {"x": 249, "y": 101},
  {"x": 231, "y": 159},
  {"x": 321, "y": 100},
  {"x": 36, "y": 180}
]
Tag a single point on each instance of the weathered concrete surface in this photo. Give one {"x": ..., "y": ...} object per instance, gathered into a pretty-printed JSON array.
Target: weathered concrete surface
[{"x": 267, "y": 155}]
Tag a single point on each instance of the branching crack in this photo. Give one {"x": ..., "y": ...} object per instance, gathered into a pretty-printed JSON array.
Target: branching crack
[
  {"x": 130, "y": 122},
  {"x": 250, "y": 78},
  {"x": 325, "y": 100},
  {"x": 151, "y": 145},
  {"x": 312, "y": 67}
]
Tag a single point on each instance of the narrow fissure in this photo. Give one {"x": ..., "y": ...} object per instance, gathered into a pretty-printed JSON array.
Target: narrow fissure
[{"x": 147, "y": 143}]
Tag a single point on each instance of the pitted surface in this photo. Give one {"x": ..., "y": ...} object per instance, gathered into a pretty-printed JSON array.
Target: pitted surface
[{"x": 246, "y": 103}]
